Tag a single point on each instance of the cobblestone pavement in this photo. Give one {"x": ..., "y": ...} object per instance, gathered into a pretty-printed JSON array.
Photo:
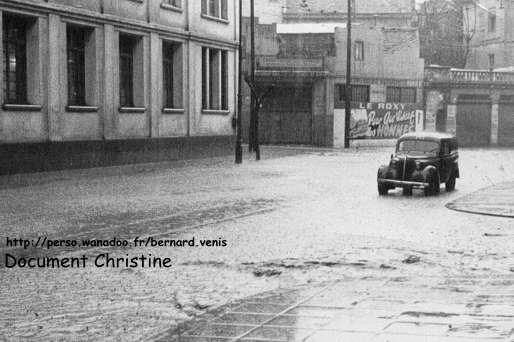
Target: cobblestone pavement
[
  {"x": 301, "y": 219},
  {"x": 495, "y": 200},
  {"x": 378, "y": 309}
]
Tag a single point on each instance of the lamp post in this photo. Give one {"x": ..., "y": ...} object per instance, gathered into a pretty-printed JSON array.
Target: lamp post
[
  {"x": 239, "y": 122},
  {"x": 348, "y": 88}
]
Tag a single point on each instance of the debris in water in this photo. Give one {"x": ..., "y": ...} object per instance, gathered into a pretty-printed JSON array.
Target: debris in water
[
  {"x": 266, "y": 273},
  {"x": 412, "y": 259}
]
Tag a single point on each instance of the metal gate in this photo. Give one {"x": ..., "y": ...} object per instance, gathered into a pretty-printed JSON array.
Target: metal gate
[
  {"x": 473, "y": 120},
  {"x": 506, "y": 121},
  {"x": 286, "y": 116}
]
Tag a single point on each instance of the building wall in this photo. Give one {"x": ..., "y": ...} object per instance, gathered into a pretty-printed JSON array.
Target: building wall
[
  {"x": 152, "y": 22},
  {"x": 268, "y": 11},
  {"x": 388, "y": 53},
  {"x": 318, "y": 61},
  {"x": 361, "y": 6},
  {"x": 386, "y": 13},
  {"x": 391, "y": 59},
  {"x": 486, "y": 42}
]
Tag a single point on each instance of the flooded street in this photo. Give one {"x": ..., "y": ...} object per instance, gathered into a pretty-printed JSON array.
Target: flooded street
[{"x": 297, "y": 217}]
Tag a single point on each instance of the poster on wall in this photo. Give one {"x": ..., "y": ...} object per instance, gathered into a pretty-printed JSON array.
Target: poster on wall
[{"x": 383, "y": 120}]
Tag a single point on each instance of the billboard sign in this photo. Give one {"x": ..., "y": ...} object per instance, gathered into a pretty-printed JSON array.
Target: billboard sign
[{"x": 383, "y": 120}]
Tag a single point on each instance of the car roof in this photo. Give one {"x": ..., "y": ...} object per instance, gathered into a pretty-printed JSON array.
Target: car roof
[{"x": 432, "y": 136}]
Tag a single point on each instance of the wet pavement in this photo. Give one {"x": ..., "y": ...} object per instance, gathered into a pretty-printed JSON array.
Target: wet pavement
[
  {"x": 304, "y": 223},
  {"x": 371, "y": 309}
]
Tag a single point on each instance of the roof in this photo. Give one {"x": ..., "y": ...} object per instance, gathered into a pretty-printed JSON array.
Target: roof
[{"x": 436, "y": 136}]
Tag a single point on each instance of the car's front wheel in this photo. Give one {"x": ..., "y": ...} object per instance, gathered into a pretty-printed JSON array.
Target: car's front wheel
[
  {"x": 433, "y": 184},
  {"x": 382, "y": 189},
  {"x": 450, "y": 184}
]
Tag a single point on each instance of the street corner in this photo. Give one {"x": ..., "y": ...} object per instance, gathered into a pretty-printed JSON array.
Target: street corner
[{"x": 496, "y": 200}]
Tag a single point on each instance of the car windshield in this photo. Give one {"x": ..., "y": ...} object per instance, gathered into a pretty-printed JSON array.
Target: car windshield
[{"x": 418, "y": 147}]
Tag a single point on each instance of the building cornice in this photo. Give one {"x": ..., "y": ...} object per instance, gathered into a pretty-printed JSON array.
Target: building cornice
[{"x": 343, "y": 16}]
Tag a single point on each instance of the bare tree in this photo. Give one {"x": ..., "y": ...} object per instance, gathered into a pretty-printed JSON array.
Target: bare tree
[{"x": 446, "y": 29}]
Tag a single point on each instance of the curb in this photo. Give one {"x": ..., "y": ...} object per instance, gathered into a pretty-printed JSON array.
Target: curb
[
  {"x": 454, "y": 205},
  {"x": 476, "y": 212}
]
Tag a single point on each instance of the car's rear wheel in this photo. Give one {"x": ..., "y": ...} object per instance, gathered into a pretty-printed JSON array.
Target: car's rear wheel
[
  {"x": 450, "y": 184},
  {"x": 382, "y": 189},
  {"x": 433, "y": 184},
  {"x": 407, "y": 190}
]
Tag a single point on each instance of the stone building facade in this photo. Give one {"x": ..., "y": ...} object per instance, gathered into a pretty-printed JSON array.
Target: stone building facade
[
  {"x": 301, "y": 68},
  {"x": 102, "y": 82},
  {"x": 490, "y": 23},
  {"x": 475, "y": 105}
]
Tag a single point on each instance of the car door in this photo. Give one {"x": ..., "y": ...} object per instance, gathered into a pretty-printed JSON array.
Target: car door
[{"x": 446, "y": 161}]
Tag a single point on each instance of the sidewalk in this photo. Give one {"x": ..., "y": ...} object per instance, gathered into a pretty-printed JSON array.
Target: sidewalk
[
  {"x": 38, "y": 178},
  {"x": 497, "y": 200},
  {"x": 409, "y": 309}
]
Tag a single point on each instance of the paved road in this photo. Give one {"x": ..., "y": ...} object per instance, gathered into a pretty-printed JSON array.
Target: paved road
[{"x": 308, "y": 217}]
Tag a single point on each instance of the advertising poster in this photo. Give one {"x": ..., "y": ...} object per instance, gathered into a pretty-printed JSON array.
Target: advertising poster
[{"x": 382, "y": 120}]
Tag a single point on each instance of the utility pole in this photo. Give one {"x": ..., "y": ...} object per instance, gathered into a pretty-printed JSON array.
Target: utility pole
[
  {"x": 251, "y": 142},
  {"x": 239, "y": 122},
  {"x": 256, "y": 103},
  {"x": 348, "y": 88}
]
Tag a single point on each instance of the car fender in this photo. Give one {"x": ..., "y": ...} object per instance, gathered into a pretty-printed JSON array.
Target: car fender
[
  {"x": 382, "y": 171},
  {"x": 428, "y": 172}
]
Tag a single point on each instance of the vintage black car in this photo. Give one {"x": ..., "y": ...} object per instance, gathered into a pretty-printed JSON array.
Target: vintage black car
[{"x": 422, "y": 160}]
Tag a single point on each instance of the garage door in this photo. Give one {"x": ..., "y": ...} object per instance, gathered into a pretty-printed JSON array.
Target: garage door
[
  {"x": 473, "y": 120},
  {"x": 506, "y": 121},
  {"x": 286, "y": 116}
]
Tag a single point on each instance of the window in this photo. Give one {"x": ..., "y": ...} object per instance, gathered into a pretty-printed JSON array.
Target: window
[
  {"x": 401, "y": 94},
  {"x": 214, "y": 79},
  {"x": 215, "y": 8},
  {"x": 491, "y": 22},
  {"x": 76, "y": 45},
  {"x": 359, "y": 50},
  {"x": 127, "y": 47},
  {"x": 174, "y": 3},
  {"x": 422, "y": 146},
  {"x": 360, "y": 93},
  {"x": 172, "y": 74},
  {"x": 15, "y": 59},
  {"x": 491, "y": 61}
]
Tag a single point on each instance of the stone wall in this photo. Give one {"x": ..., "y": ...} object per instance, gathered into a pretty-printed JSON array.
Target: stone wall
[{"x": 361, "y": 6}]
